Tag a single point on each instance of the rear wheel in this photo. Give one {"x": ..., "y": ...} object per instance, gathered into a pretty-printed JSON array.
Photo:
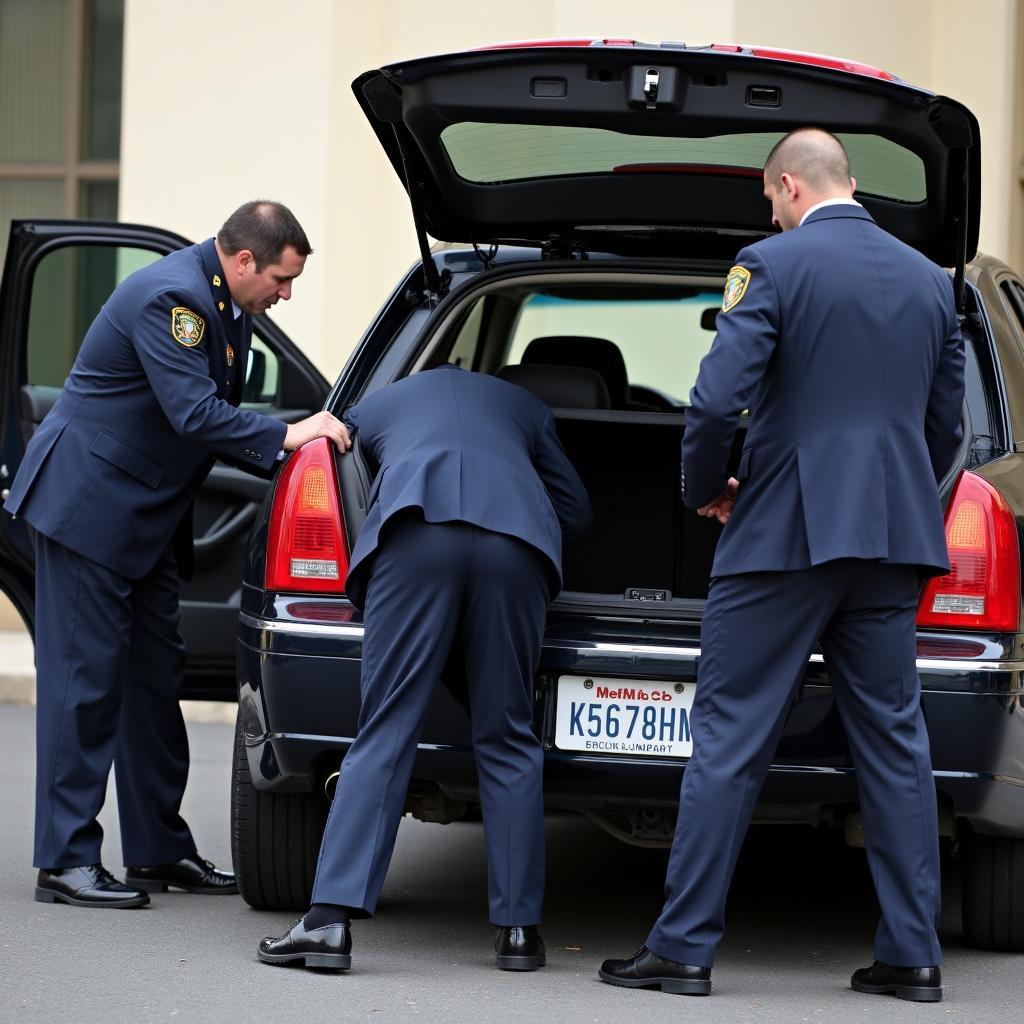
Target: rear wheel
[
  {"x": 275, "y": 839},
  {"x": 992, "y": 899}
]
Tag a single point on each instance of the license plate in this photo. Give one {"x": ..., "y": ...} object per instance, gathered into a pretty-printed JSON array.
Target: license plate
[{"x": 637, "y": 717}]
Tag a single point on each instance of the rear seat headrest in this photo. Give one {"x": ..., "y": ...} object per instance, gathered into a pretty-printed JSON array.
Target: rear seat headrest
[
  {"x": 598, "y": 354},
  {"x": 561, "y": 387}
]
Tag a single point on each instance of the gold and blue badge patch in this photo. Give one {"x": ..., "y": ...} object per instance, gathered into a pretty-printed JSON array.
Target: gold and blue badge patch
[
  {"x": 187, "y": 327},
  {"x": 735, "y": 287}
]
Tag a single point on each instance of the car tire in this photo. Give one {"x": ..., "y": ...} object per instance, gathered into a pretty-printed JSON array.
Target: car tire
[
  {"x": 275, "y": 839},
  {"x": 992, "y": 894}
]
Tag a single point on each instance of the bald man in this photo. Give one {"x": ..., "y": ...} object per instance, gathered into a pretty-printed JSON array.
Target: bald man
[{"x": 844, "y": 344}]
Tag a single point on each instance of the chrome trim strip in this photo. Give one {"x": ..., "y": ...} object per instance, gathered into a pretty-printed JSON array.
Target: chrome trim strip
[
  {"x": 599, "y": 647},
  {"x": 354, "y": 631},
  {"x": 951, "y": 664},
  {"x": 955, "y": 665}
]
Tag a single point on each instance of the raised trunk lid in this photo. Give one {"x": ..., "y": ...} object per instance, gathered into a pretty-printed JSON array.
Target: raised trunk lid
[{"x": 632, "y": 148}]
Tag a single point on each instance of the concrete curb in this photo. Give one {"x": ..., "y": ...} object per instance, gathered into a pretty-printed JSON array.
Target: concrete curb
[{"x": 18, "y": 681}]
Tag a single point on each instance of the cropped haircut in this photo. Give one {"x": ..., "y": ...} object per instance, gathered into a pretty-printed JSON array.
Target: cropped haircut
[
  {"x": 266, "y": 229},
  {"x": 813, "y": 154}
]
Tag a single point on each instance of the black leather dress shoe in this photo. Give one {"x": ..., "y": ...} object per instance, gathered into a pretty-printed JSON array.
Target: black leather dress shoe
[
  {"x": 519, "y": 948},
  {"x": 921, "y": 984},
  {"x": 89, "y": 886},
  {"x": 193, "y": 874},
  {"x": 645, "y": 969},
  {"x": 330, "y": 947}
]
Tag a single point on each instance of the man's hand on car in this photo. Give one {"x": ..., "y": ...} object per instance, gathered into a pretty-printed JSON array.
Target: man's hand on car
[
  {"x": 321, "y": 424},
  {"x": 721, "y": 507}
]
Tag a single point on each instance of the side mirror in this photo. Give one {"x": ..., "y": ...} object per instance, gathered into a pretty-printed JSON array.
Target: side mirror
[{"x": 708, "y": 318}]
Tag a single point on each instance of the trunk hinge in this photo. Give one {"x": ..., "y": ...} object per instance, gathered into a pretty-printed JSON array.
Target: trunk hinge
[
  {"x": 435, "y": 284},
  {"x": 486, "y": 258},
  {"x": 563, "y": 247}
]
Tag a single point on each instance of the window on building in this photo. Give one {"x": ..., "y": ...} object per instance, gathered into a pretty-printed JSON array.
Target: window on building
[{"x": 60, "y": 109}]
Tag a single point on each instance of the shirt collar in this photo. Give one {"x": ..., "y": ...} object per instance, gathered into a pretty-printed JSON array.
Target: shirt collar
[
  {"x": 218, "y": 286},
  {"x": 828, "y": 202}
]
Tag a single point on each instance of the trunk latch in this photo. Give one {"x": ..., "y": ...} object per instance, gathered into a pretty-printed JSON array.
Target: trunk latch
[
  {"x": 655, "y": 89},
  {"x": 651, "y": 80}
]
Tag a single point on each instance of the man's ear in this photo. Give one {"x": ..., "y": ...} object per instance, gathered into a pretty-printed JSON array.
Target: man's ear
[
  {"x": 789, "y": 185},
  {"x": 243, "y": 261}
]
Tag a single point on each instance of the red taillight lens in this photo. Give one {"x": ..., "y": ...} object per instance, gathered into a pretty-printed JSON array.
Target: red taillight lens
[
  {"x": 982, "y": 590},
  {"x": 306, "y": 549}
]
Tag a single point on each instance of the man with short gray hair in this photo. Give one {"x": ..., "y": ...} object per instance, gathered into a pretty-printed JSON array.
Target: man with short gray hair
[{"x": 845, "y": 346}]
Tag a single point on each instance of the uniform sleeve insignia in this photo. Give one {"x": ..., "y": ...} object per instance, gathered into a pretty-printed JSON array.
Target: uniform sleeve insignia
[
  {"x": 735, "y": 287},
  {"x": 187, "y": 327}
]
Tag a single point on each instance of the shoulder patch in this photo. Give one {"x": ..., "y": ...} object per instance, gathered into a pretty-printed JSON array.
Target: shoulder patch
[
  {"x": 187, "y": 327},
  {"x": 735, "y": 287}
]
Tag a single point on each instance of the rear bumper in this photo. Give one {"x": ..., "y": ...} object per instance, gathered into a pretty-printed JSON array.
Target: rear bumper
[{"x": 299, "y": 702}]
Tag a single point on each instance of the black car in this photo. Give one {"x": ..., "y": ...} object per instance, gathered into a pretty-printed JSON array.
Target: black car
[{"x": 590, "y": 198}]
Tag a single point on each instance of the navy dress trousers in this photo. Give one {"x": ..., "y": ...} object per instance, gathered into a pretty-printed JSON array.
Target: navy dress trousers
[
  {"x": 462, "y": 542},
  {"x": 844, "y": 345}
]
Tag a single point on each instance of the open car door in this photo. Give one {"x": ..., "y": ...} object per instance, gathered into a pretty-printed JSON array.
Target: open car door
[{"x": 56, "y": 276}]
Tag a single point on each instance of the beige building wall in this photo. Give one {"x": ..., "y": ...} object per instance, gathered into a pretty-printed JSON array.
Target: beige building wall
[
  {"x": 974, "y": 61},
  {"x": 257, "y": 102},
  {"x": 943, "y": 45}
]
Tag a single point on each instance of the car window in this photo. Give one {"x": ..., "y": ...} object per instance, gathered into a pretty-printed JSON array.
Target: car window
[
  {"x": 491, "y": 154},
  {"x": 662, "y": 341},
  {"x": 464, "y": 351},
  {"x": 261, "y": 375},
  {"x": 69, "y": 287}
]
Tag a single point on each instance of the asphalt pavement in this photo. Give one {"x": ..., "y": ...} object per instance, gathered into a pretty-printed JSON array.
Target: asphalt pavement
[{"x": 801, "y": 918}]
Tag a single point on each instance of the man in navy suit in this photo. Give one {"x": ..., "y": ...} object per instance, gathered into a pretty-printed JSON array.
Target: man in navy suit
[
  {"x": 845, "y": 346},
  {"x": 463, "y": 538},
  {"x": 107, "y": 482}
]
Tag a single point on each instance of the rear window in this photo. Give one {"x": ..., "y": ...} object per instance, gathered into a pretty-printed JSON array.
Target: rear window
[
  {"x": 661, "y": 340},
  {"x": 493, "y": 154}
]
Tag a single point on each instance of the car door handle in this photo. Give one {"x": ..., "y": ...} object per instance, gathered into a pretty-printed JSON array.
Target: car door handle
[{"x": 223, "y": 532}]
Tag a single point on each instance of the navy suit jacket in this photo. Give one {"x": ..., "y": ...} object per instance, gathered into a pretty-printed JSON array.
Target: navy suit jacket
[
  {"x": 150, "y": 401},
  {"x": 846, "y": 349},
  {"x": 466, "y": 447}
]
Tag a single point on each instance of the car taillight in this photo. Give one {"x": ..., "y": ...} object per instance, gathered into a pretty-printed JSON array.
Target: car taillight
[
  {"x": 306, "y": 549},
  {"x": 982, "y": 589},
  {"x": 818, "y": 60}
]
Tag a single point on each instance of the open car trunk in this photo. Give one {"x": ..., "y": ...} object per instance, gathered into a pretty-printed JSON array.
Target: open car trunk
[
  {"x": 644, "y": 545},
  {"x": 646, "y": 553},
  {"x": 585, "y": 148}
]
